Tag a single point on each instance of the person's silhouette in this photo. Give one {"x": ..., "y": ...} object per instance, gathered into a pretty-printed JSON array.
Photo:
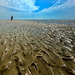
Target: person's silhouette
[{"x": 11, "y": 17}]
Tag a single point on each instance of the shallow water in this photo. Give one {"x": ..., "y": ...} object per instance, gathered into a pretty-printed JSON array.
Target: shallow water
[
  {"x": 31, "y": 48},
  {"x": 67, "y": 22}
]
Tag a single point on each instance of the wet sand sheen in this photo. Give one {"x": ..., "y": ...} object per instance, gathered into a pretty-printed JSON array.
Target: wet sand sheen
[{"x": 31, "y": 48}]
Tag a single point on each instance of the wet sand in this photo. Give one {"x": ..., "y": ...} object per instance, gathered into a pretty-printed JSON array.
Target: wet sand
[{"x": 31, "y": 48}]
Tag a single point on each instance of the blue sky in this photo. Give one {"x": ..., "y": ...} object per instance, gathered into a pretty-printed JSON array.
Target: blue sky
[{"x": 37, "y": 9}]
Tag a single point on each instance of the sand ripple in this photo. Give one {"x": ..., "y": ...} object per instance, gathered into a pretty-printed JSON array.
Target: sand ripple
[{"x": 30, "y": 48}]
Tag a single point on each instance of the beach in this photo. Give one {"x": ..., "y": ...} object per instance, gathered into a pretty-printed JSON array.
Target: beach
[{"x": 34, "y": 48}]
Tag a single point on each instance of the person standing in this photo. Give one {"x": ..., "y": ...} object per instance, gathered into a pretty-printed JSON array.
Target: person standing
[{"x": 11, "y": 17}]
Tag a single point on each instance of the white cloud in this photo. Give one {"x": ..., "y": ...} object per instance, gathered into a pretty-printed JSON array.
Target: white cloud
[
  {"x": 23, "y": 5},
  {"x": 59, "y": 5}
]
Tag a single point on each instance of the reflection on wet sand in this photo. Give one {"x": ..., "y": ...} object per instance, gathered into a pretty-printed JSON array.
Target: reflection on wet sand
[{"x": 31, "y": 48}]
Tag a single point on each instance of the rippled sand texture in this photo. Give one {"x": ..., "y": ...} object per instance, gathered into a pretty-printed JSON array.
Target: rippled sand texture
[{"x": 30, "y": 48}]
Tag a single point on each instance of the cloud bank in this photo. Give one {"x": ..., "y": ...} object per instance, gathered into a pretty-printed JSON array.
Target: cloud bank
[
  {"x": 22, "y": 5},
  {"x": 23, "y": 9}
]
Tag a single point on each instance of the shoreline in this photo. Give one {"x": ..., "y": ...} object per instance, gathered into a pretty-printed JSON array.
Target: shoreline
[{"x": 66, "y": 22}]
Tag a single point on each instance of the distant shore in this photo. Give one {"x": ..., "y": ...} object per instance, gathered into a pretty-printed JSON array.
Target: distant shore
[{"x": 67, "y": 22}]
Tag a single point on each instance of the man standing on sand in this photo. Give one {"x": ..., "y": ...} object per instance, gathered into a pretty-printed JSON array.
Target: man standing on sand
[{"x": 11, "y": 17}]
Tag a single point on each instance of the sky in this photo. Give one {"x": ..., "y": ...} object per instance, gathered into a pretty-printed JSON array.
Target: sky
[{"x": 37, "y": 9}]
